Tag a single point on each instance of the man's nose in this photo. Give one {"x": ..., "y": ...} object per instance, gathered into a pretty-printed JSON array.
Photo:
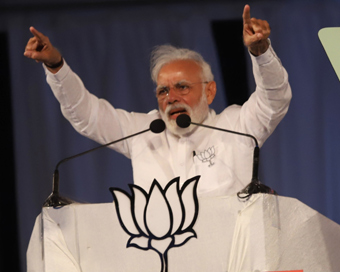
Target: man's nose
[{"x": 173, "y": 96}]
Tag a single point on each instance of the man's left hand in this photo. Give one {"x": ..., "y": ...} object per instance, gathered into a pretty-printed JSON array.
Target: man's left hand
[{"x": 255, "y": 33}]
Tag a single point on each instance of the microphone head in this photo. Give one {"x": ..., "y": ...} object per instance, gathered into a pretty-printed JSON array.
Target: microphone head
[
  {"x": 157, "y": 126},
  {"x": 183, "y": 120}
]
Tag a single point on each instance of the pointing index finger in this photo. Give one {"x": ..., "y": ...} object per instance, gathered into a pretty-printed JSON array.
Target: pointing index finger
[
  {"x": 37, "y": 34},
  {"x": 246, "y": 15}
]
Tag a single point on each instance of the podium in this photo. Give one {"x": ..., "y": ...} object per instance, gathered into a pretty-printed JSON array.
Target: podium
[{"x": 264, "y": 233}]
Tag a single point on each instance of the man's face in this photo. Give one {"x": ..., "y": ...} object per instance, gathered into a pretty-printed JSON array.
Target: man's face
[
  {"x": 180, "y": 72},
  {"x": 186, "y": 93}
]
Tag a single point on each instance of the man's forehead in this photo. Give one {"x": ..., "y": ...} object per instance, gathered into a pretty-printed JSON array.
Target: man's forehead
[
  {"x": 179, "y": 82},
  {"x": 179, "y": 70}
]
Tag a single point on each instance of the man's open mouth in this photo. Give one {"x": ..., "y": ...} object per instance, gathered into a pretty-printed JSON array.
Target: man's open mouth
[{"x": 175, "y": 112}]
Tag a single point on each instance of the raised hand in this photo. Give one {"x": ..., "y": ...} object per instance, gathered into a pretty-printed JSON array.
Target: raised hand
[
  {"x": 40, "y": 49},
  {"x": 255, "y": 33}
]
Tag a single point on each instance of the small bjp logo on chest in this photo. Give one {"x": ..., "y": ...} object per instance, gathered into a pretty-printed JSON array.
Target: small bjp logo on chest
[{"x": 207, "y": 155}]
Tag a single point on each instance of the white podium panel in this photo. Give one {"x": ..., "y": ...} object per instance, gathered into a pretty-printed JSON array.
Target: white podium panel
[{"x": 265, "y": 233}]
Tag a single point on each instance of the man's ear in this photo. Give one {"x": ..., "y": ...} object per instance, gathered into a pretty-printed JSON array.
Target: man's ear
[{"x": 210, "y": 91}]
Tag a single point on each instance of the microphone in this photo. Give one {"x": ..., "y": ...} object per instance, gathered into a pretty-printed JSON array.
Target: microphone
[
  {"x": 55, "y": 200},
  {"x": 255, "y": 186}
]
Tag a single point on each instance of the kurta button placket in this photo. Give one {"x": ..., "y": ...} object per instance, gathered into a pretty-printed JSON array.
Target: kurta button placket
[{"x": 182, "y": 157}]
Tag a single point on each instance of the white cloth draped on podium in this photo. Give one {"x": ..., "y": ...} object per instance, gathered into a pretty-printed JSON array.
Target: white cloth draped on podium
[{"x": 265, "y": 233}]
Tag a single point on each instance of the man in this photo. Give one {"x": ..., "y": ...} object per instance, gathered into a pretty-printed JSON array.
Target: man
[{"x": 184, "y": 86}]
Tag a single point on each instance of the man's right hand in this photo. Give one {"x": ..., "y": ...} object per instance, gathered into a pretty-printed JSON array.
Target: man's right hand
[{"x": 40, "y": 49}]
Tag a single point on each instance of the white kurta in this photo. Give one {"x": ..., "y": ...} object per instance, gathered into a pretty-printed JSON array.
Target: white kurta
[{"x": 223, "y": 160}]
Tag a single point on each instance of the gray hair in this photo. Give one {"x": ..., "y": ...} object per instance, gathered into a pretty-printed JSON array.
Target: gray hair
[{"x": 165, "y": 54}]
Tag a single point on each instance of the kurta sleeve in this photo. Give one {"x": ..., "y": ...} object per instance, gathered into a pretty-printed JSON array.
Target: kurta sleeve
[
  {"x": 91, "y": 116},
  {"x": 267, "y": 106}
]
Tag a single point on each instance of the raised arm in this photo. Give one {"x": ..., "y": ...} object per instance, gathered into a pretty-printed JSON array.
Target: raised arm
[{"x": 266, "y": 107}]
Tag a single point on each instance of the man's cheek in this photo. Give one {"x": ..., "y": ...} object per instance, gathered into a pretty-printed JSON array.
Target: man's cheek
[{"x": 160, "y": 107}]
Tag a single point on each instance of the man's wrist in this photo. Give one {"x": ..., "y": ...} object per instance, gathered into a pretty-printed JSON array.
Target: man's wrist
[
  {"x": 264, "y": 58},
  {"x": 55, "y": 65},
  {"x": 259, "y": 49}
]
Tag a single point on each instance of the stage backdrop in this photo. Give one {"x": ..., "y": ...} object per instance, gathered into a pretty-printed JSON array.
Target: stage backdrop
[{"x": 109, "y": 47}]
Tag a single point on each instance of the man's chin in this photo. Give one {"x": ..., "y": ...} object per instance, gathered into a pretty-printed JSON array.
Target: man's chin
[{"x": 172, "y": 126}]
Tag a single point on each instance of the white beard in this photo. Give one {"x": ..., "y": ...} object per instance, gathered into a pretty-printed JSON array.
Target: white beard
[{"x": 197, "y": 115}]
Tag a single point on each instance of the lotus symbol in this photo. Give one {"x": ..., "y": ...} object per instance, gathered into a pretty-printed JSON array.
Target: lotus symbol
[
  {"x": 207, "y": 155},
  {"x": 160, "y": 220}
]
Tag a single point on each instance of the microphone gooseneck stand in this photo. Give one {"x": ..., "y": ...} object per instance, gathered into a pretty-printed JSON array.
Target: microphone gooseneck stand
[
  {"x": 255, "y": 186},
  {"x": 55, "y": 200}
]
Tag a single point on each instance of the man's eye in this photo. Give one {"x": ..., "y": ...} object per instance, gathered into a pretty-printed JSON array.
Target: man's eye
[
  {"x": 161, "y": 92},
  {"x": 182, "y": 86}
]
